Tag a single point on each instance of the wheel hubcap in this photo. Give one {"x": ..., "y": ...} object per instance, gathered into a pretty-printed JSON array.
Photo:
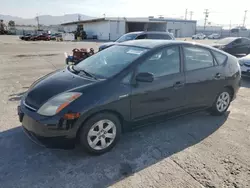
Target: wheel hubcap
[
  {"x": 223, "y": 101},
  {"x": 101, "y": 134}
]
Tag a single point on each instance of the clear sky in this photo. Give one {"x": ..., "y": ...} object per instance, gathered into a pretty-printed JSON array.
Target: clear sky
[{"x": 221, "y": 11}]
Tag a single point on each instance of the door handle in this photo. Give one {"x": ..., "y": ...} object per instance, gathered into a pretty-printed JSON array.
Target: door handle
[
  {"x": 178, "y": 85},
  {"x": 217, "y": 76}
]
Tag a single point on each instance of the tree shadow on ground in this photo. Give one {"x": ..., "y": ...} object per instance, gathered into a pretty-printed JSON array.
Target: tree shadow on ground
[{"x": 24, "y": 164}]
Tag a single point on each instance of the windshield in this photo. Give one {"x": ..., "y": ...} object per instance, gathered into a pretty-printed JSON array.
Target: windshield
[
  {"x": 111, "y": 61},
  {"x": 226, "y": 40},
  {"x": 126, "y": 37}
]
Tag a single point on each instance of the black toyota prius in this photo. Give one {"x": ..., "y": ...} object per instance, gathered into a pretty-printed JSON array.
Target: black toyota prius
[{"x": 127, "y": 85}]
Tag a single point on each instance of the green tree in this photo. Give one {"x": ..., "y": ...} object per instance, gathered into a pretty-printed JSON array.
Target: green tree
[{"x": 11, "y": 24}]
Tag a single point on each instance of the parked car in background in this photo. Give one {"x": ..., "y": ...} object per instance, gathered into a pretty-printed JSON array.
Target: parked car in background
[
  {"x": 245, "y": 65},
  {"x": 234, "y": 45},
  {"x": 28, "y": 37},
  {"x": 55, "y": 35},
  {"x": 214, "y": 36},
  {"x": 43, "y": 36},
  {"x": 24, "y": 36},
  {"x": 139, "y": 35},
  {"x": 125, "y": 86},
  {"x": 199, "y": 36}
]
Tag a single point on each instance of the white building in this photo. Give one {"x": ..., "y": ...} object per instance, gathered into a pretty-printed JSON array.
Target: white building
[{"x": 112, "y": 28}]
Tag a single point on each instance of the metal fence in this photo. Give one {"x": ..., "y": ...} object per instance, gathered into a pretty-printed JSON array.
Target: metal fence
[{"x": 226, "y": 33}]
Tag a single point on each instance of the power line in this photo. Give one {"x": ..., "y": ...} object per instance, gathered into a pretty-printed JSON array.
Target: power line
[
  {"x": 245, "y": 17},
  {"x": 191, "y": 14},
  {"x": 206, "y": 17}
]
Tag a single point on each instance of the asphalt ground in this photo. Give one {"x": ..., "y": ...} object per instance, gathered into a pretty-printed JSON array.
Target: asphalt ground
[{"x": 196, "y": 150}]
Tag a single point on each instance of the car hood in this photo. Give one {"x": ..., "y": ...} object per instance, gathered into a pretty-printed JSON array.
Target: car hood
[
  {"x": 245, "y": 59},
  {"x": 53, "y": 84},
  {"x": 217, "y": 45},
  {"x": 107, "y": 44}
]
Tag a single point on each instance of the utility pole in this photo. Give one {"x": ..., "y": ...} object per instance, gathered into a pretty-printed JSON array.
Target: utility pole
[
  {"x": 191, "y": 14},
  {"x": 245, "y": 17},
  {"x": 38, "y": 24},
  {"x": 186, "y": 14},
  {"x": 79, "y": 17},
  {"x": 206, "y": 16}
]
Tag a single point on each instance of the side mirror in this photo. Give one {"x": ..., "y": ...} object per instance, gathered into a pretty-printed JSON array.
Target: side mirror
[{"x": 144, "y": 77}]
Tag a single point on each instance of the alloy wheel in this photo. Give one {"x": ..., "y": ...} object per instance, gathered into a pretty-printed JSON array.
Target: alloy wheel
[
  {"x": 102, "y": 134},
  {"x": 223, "y": 101}
]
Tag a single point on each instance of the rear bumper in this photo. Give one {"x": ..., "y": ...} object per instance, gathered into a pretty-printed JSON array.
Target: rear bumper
[{"x": 47, "y": 135}]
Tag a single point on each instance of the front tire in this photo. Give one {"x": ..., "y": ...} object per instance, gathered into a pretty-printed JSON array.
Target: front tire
[
  {"x": 100, "y": 133},
  {"x": 221, "y": 103}
]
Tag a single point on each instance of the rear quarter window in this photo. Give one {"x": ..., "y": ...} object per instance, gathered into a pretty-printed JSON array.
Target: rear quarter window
[{"x": 220, "y": 58}]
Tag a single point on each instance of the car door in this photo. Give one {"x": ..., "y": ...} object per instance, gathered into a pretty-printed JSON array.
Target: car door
[
  {"x": 203, "y": 77},
  {"x": 166, "y": 91}
]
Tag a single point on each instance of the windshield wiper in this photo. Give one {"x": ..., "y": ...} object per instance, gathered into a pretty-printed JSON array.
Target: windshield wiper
[{"x": 72, "y": 67}]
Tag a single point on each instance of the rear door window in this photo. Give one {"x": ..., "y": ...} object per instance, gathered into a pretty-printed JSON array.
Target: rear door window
[
  {"x": 220, "y": 58},
  {"x": 245, "y": 41},
  {"x": 197, "y": 58},
  {"x": 237, "y": 41}
]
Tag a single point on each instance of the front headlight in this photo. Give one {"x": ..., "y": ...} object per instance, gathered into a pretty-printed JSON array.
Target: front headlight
[{"x": 57, "y": 103}]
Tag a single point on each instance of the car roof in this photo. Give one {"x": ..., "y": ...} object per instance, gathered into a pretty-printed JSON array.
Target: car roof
[
  {"x": 150, "y": 43},
  {"x": 148, "y": 32}
]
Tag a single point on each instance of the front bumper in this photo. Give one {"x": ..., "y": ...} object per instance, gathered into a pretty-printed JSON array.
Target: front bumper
[{"x": 47, "y": 133}]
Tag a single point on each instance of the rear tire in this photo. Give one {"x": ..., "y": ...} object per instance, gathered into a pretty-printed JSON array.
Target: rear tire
[
  {"x": 100, "y": 133},
  {"x": 221, "y": 103}
]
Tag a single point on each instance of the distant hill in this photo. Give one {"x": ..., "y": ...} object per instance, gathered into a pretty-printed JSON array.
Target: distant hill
[{"x": 45, "y": 19}]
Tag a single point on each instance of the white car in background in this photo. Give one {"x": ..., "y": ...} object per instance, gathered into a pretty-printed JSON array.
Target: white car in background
[
  {"x": 245, "y": 65},
  {"x": 214, "y": 36},
  {"x": 199, "y": 36}
]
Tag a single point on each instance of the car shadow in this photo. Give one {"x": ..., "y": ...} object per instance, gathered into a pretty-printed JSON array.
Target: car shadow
[
  {"x": 245, "y": 82},
  {"x": 16, "y": 96},
  {"x": 24, "y": 164}
]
